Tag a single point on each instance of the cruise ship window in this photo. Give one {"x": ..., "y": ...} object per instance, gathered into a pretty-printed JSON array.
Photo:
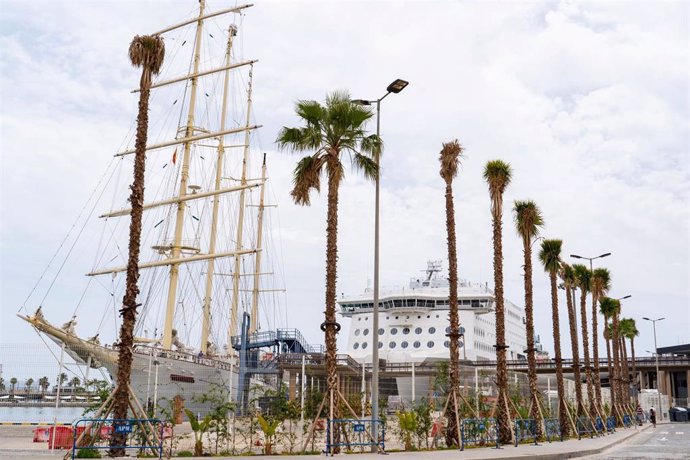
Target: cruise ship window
[
  {"x": 428, "y": 316},
  {"x": 432, "y": 330},
  {"x": 380, "y": 345},
  {"x": 403, "y": 345},
  {"x": 381, "y": 331},
  {"x": 364, "y": 345},
  {"x": 448, "y": 330},
  {"x": 394, "y": 330},
  {"x": 446, "y": 344},
  {"x": 365, "y": 332},
  {"x": 356, "y": 331},
  {"x": 430, "y": 344},
  {"x": 356, "y": 345},
  {"x": 406, "y": 330},
  {"x": 418, "y": 330},
  {"x": 417, "y": 344},
  {"x": 391, "y": 345}
]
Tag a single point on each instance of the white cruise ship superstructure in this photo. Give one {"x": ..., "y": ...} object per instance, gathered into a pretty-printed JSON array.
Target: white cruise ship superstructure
[{"x": 413, "y": 322}]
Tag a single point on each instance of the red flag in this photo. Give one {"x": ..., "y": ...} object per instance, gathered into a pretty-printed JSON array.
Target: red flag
[{"x": 174, "y": 158}]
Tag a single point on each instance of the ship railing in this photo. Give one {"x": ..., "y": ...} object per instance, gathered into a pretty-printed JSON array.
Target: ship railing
[{"x": 156, "y": 352}]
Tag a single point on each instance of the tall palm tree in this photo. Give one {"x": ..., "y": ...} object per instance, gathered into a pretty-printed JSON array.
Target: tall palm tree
[
  {"x": 632, "y": 333},
  {"x": 43, "y": 383},
  {"x": 616, "y": 356},
  {"x": 528, "y": 222},
  {"x": 450, "y": 161},
  {"x": 608, "y": 308},
  {"x": 329, "y": 132},
  {"x": 497, "y": 175},
  {"x": 583, "y": 276},
  {"x": 600, "y": 284},
  {"x": 13, "y": 382},
  {"x": 29, "y": 384},
  {"x": 550, "y": 257},
  {"x": 568, "y": 276},
  {"x": 626, "y": 330},
  {"x": 146, "y": 52}
]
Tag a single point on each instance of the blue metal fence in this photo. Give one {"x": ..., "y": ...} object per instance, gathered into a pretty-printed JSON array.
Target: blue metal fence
[
  {"x": 627, "y": 421},
  {"x": 351, "y": 433},
  {"x": 584, "y": 427},
  {"x": 478, "y": 431},
  {"x": 553, "y": 429},
  {"x": 611, "y": 424},
  {"x": 138, "y": 434},
  {"x": 525, "y": 429}
]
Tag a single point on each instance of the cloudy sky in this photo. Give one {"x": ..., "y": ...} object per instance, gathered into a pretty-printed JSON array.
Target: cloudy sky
[{"x": 588, "y": 101}]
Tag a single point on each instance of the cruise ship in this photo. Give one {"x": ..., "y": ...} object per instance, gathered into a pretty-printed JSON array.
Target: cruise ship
[{"x": 413, "y": 321}]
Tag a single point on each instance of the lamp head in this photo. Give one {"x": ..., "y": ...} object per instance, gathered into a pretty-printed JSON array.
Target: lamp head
[
  {"x": 361, "y": 102},
  {"x": 605, "y": 255},
  {"x": 575, "y": 256},
  {"x": 646, "y": 318},
  {"x": 397, "y": 86}
]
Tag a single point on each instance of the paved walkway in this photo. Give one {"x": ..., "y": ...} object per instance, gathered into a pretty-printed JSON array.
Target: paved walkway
[{"x": 545, "y": 451}]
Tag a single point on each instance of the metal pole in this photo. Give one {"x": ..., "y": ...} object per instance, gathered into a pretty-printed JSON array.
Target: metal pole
[
  {"x": 375, "y": 327},
  {"x": 658, "y": 376},
  {"x": 155, "y": 388},
  {"x": 364, "y": 390},
  {"x": 413, "y": 387},
  {"x": 476, "y": 388},
  {"x": 303, "y": 387}
]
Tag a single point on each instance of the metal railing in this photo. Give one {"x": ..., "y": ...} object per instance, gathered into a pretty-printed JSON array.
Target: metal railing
[
  {"x": 553, "y": 429},
  {"x": 525, "y": 429},
  {"x": 351, "y": 433},
  {"x": 478, "y": 431},
  {"x": 139, "y": 434}
]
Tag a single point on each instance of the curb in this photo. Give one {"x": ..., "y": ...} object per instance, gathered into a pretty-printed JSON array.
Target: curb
[{"x": 33, "y": 424}]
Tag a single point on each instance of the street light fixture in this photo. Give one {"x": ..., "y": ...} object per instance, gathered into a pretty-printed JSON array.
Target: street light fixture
[
  {"x": 575, "y": 256},
  {"x": 658, "y": 386},
  {"x": 395, "y": 87}
]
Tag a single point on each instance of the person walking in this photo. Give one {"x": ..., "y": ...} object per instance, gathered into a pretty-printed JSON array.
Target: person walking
[
  {"x": 639, "y": 414},
  {"x": 652, "y": 416}
]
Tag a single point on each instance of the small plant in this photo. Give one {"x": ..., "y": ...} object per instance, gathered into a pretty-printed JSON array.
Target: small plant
[
  {"x": 199, "y": 428},
  {"x": 88, "y": 453},
  {"x": 407, "y": 422},
  {"x": 185, "y": 453},
  {"x": 269, "y": 427}
]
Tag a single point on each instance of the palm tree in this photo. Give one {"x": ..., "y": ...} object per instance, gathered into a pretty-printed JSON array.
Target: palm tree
[
  {"x": 148, "y": 53},
  {"x": 632, "y": 332},
  {"x": 29, "y": 383},
  {"x": 329, "y": 131},
  {"x": 62, "y": 378},
  {"x": 450, "y": 160},
  {"x": 583, "y": 276},
  {"x": 608, "y": 307},
  {"x": 528, "y": 221},
  {"x": 74, "y": 383},
  {"x": 600, "y": 284},
  {"x": 497, "y": 175},
  {"x": 568, "y": 276},
  {"x": 13, "y": 382},
  {"x": 626, "y": 330},
  {"x": 43, "y": 383},
  {"x": 550, "y": 257},
  {"x": 616, "y": 356},
  {"x": 2, "y": 384}
]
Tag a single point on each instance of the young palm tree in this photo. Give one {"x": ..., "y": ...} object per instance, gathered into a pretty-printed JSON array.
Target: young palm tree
[
  {"x": 146, "y": 52},
  {"x": 616, "y": 356},
  {"x": 626, "y": 329},
  {"x": 497, "y": 175},
  {"x": 568, "y": 276},
  {"x": 450, "y": 160},
  {"x": 330, "y": 131},
  {"x": 528, "y": 221},
  {"x": 550, "y": 257},
  {"x": 600, "y": 284},
  {"x": 632, "y": 333},
  {"x": 608, "y": 307},
  {"x": 583, "y": 276}
]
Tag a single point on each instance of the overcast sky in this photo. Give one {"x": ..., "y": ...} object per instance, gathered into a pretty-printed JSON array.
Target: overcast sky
[{"x": 588, "y": 101}]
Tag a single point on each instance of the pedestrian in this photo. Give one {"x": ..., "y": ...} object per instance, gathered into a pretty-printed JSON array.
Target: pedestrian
[
  {"x": 639, "y": 414},
  {"x": 652, "y": 416}
]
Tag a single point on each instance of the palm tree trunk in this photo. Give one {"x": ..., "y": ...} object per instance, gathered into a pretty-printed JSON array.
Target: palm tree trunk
[
  {"x": 572, "y": 320},
  {"x": 452, "y": 433},
  {"x": 612, "y": 382},
  {"x": 531, "y": 358},
  {"x": 625, "y": 383},
  {"x": 616, "y": 362},
  {"x": 504, "y": 430},
  {"x": 595, "y": 352},
  {"x": 585, "y": 348},
  {"x": 562, "y": 408},
  {"x": 330, "y": 326},
  {"x": 129, "y": 309},
  {"x": 632, "y": 353}
]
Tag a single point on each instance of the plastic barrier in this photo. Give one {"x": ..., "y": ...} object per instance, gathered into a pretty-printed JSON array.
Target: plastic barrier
[
  {"x": 355, "y": 433},
  {"x": 479, "y": 431},
  {"x": 60, "y": 437},
  {"x": 525, "y": 429},
  {"x": 41, "y": 434}
]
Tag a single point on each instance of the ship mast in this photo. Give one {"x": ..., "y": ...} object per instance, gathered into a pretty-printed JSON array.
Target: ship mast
[
  {"x": 257, "y": 256},
  {"x": 179, "y": 220},
  {"x": 240, "y": 219},
  {"x": 205, "y": 326}
]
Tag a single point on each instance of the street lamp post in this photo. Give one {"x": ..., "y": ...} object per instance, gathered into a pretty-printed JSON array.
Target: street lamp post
[
  {"x": 395, "y": 87},
  {"x": 656, "y": 349},
  {"x": 574, "y": 256}
]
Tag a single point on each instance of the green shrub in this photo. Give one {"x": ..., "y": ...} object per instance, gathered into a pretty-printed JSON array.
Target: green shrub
[
  {"x": 185, "y": 453},
  {"x": 88, "y": 453}
]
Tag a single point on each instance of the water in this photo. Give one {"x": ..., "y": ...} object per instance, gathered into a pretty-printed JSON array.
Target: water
[{"x": 40, "y": 414}]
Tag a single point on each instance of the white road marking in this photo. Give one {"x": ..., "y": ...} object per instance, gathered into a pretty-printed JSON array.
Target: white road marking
[
  {"x": 663, "y": 439},
  {"x": 664, "y": 432},
  {"x": 679, "y": 432}
]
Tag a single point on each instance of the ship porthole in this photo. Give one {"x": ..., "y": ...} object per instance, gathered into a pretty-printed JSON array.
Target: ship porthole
[
  {"x": 403, "y": 345},
  {"x": 365, "y": 332},
  {"x": 391, "y": 345},
  {"x": 417, "y": 344},
  {"x": 394, "y": 330},
  {"x": 432, "y": 330},
  {"x": 364, "y": 345},
  {"x": 380, "y": 345},
  {"x": 418, "y": 330},
  {"x": 355, "y": 346},
  {"x": 356, "y": 332},
  {"x": 381, "y": 331},
  {"x": 430, "y": 344}
]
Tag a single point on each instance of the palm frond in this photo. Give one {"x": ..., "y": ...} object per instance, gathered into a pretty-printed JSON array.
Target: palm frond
[
  {"x": 147, "y": 51},
  {"x": 550, "y": 255},
  {"x": 608, "y": 307},
  {"x": 372, "y": 145},
  {"x": 528, "y": 219},
  {"x": 497, "y": 175},
  {"x": 601, "y": 280},
  {"x": 583, "y": 277},
  {"x": 567, "y": 274},
  {"x": 450, "y": 159},
  {"x": 310, "y": 111},
  {"x": 366, "y": 165},
  {"x": 307, "y": 176}
]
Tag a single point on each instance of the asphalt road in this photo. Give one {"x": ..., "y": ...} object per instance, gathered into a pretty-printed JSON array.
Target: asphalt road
[{"x": 669, "y": 441}]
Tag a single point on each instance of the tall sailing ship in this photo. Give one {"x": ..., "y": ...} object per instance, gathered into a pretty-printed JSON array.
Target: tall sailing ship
[{"x": 204, "y": 259}]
